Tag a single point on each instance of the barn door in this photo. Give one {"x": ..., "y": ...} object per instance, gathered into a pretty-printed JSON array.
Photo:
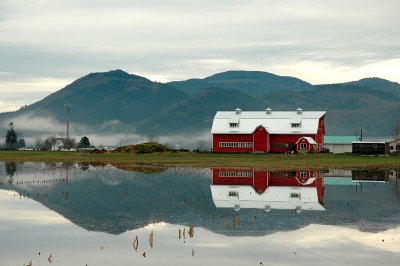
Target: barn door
[{"x": 260, "y": 137}]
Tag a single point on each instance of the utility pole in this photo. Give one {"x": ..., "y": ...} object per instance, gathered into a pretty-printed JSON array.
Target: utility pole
[
  {"x": 397, "y": 138},
  {"x": 361, "y": 134},
  {"x": 68, "y": 108}
]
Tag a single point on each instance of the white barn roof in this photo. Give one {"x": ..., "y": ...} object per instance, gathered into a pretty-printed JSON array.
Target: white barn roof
[{"x": 275, "y": 122}]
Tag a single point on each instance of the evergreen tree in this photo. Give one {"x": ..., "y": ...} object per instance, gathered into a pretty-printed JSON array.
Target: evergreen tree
[
  {"x": 21, "y": 143},
  {"x": 11, "y": 137},
  {"x": 84, "y": 143}
]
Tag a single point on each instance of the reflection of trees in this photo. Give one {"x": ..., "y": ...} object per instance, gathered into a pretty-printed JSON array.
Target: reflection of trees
[
  {"x": 397, "y": 178},
  {"x": 11, "y": 168},
  {"x": 50, "y": 165},
  {"x": 67, "y": 165},
  {"x": 84, "y": 166}
]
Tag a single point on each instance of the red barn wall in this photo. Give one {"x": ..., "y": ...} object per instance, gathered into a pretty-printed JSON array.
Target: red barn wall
[
  {"x": 319, "y": 138},
  {"x": 217, "y": 138},
  {"x": 288, "y": 139}
]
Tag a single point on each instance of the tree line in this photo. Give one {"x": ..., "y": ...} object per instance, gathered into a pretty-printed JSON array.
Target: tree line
[{"x": 13, "y": 141}]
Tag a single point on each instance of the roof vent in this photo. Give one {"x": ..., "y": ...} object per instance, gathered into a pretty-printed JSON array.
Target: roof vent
[
  {"x": 268, "y": 110},
  {"x": 238, "y": 111},
  {"x": 299, "y": 111}
]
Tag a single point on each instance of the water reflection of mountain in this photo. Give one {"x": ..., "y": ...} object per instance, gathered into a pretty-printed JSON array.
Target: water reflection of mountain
[{"x": 113, "y": 201}]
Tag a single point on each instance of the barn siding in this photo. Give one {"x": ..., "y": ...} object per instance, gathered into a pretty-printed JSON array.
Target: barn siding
[
  {"x": 319, "y": 138},
  {"x": 217, "y": 138},
  {"x": 285, "y": 139}
]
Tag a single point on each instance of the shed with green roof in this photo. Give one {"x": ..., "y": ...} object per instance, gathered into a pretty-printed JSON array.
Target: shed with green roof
[{"x": 339, "y": 144}]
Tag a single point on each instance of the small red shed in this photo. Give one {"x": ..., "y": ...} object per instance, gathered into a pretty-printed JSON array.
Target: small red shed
[{"x": 306, "y": 144}]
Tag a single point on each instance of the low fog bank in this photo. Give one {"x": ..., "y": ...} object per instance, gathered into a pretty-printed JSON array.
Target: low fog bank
[{"x": 112, "y": 133}]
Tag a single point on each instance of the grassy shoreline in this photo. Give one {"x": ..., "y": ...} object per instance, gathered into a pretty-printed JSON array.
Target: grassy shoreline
[{"x": 199, "y": 160}]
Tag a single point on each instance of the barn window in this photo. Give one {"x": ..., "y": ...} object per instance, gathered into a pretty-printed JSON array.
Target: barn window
[
  {"x": 303, "y": 174},
  {"x": 236, "y": 144},
  {"x": 234, "y": 124},
  {"x": 303, "y": 146},
  {"x": 281, "y": 145},
  {"x": 295, "y": 195},
  {"x": 281, "y": 174},
  {"x": 295, "y": 124},
  {"x": 233, "y": 194}
]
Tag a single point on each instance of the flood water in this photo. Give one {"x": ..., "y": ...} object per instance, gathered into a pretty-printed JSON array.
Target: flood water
[{"x": 81, "y": 214}]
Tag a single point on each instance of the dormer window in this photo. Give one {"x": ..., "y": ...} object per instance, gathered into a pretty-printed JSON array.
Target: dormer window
[
  {"x": 233, "y": 194},
  {"x": 295, "y": 195},
  {"x": 234, "y": 122},
  {"x": 295, "y": 124}
]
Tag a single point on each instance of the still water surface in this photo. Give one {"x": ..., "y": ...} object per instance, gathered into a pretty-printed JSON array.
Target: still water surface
[{"x": 70, "y": 214}]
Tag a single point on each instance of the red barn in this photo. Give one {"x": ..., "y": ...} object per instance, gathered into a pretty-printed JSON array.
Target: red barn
[{"x": 268, "y": 131}]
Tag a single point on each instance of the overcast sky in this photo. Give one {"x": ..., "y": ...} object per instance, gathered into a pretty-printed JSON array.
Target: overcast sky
[{"x": 46, "y": 44}]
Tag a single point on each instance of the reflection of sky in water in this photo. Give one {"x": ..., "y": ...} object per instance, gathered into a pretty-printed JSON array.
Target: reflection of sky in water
[{"x": 28, "y": 226}]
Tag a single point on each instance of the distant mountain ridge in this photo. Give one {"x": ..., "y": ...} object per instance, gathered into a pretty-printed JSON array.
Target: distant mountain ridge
[
  {"x": 251, "y": 82},
  {"x": 380, "y": 85},
  {"x": 116, "y": 101}
]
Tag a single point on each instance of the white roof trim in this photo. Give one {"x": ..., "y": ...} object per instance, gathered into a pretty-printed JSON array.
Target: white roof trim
[
  {"x": 369, "y": 142},
  {"x": 309, "y": 140}
]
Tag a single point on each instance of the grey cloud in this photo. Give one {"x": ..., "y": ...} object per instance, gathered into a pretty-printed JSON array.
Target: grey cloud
[{"x": 180, "y": 39}]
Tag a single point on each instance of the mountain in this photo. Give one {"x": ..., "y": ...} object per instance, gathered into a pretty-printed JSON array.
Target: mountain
[
  {"x": 197, "y": 112},
  {"x": 349, "y": 107},
  {"x": 100, "y": 97},
  {"x": 254, "y": 83},
  {"x": 116, "y": 102},
  {"x": 380, "y": 85},
  {"x": 107, "y": 100}
]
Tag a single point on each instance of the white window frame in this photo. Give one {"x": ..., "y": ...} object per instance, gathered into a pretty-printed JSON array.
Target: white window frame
[{"x": 225, "y": 144}]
